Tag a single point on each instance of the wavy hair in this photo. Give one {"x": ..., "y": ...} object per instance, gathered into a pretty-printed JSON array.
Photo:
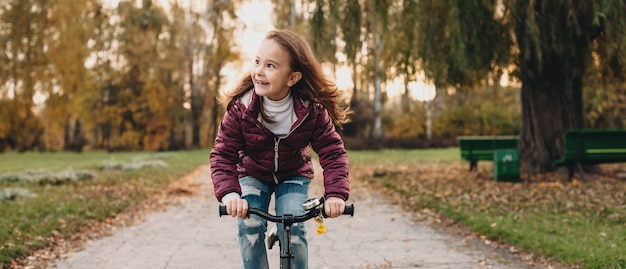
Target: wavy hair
[{"x": 314, "y": 85}]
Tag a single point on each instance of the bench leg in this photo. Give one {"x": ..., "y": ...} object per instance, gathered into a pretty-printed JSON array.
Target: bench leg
[
  {"x": 580, "y": 170},
  {"x": 473, "y": 165}
]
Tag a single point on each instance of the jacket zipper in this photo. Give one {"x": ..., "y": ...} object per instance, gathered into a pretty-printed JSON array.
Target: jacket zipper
[{"x": 277, "y": 142}]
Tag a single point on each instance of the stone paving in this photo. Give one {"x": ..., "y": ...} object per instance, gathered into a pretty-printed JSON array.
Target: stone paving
[{"x": 192, "y": 235}]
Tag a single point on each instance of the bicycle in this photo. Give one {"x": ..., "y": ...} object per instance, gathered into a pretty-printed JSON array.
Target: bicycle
[{"x": 313, "y": 208}]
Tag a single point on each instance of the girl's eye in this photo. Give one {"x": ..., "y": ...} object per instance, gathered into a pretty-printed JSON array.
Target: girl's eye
[
  {"x": 256, "y": 62},
  {"x": 270, "y": 65}
]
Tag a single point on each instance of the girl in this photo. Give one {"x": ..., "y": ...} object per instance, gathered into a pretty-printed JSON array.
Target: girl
[{"x": 272, "y": 116}]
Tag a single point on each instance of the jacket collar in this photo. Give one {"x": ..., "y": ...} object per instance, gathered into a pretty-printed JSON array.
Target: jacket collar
[
  {"x": 251, "y": 102},
  {"x": 250, "y": 96}
]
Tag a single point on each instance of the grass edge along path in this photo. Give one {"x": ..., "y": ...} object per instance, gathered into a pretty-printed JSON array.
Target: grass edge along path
[{"x": 59, "y": 219}]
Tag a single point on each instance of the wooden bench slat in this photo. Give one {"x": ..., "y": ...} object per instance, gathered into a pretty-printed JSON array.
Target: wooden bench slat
[{"x": 605, "y": 150}]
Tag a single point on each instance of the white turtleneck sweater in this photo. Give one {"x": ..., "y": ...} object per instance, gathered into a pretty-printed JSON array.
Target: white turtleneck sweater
[{"x": 281, "y": 112}]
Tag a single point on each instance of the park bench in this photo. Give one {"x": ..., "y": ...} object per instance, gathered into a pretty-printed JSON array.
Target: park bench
[
  {"x": 590, "y": 147},
  {"x": 482, "y": 148}
]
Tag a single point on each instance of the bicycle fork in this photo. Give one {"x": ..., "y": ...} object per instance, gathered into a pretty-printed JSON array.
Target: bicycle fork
[{"x": 286, "y": 255}]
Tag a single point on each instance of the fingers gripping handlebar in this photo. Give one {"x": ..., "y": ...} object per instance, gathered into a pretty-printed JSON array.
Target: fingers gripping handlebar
[{"x": 310, "y": 212}]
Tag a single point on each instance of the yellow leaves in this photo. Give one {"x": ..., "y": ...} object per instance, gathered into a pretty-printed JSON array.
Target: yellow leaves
[
  {"x": 445, "y": 194},
  {"x": 572, "y": 213},
  {"x": 556, "y": 184}
]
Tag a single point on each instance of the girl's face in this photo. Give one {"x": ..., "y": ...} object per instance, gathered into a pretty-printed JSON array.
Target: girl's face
[{"x": 271, "y": 73}]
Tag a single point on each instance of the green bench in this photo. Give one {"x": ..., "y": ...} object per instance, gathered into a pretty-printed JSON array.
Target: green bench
[
  {"x": 482, "y": 148},
  {"x": 592, "y": 147}
]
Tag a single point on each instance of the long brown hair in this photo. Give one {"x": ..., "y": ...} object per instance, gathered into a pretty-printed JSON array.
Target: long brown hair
[{"x": 313, "y": 86}]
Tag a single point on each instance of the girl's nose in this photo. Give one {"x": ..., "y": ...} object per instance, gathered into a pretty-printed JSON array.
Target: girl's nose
[{"x": 258, "y": 69}]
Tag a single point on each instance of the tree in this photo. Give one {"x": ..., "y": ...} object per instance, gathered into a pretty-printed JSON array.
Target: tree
[
  {"x": 175, "y": 75},
  {"x": 23, "y": 49},
  {"x": 556, "y": 40},
  {"x": 141, "y": 96},
  {"x": 100, "y": 97},
  {"x": 70, "y": 29},
  {"x": 194, "y": 55},
  {"x": 351, "y": 23},
  {"x": 207, "y": 46},
  {"x": 219, "y": 52},
  {"x": 403, "y": 59},
  {"x": 378, "y": 21},
  {"x": 286, "y": 16},
  {"x": 550, "y": 45},
  {"x": 323, "y": 31}
]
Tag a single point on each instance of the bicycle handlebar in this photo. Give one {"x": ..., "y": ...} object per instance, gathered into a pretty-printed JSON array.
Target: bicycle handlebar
[{"x": 309, "y": 214}]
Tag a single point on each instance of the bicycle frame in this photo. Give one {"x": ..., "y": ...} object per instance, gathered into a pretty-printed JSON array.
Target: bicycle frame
[{"x": 313, "y": 208}]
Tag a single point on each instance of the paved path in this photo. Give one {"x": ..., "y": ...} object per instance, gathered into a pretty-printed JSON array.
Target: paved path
[{"x": 192, "y": 235}]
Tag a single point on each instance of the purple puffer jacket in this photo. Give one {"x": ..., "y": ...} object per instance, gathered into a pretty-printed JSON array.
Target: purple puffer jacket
[{"x": 244, "y": 146}]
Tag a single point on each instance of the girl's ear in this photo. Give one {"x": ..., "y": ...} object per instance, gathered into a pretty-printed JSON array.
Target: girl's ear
[{"x": 294, "y": 77}]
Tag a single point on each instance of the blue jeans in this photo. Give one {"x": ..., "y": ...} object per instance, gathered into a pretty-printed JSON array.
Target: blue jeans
[{"x": 289, "y": 197}]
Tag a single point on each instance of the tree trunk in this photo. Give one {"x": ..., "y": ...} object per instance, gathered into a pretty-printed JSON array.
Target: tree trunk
[
  {"x": 215, "y": 108},
  {"x": 196, "y": 114},
  {"x": 551, "y": 104},
  {"x": 355, "y": 80},
  {"x": 378, "y": 133},
  {"x": 428, "y": 105},
  {"x": 552, "y": 60}
]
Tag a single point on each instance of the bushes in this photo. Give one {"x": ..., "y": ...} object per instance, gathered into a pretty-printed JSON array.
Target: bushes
[{"x": 484, "y": 119}]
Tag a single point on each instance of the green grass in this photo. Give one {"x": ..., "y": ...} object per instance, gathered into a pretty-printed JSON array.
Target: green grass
[
  {"x": 578, "y": 224},
  {"x": 572, "y": 240},
  {"x": 405, "y": 157},
  {"x": 27, "y": 223},
  {"x": 55, "y": 161}
]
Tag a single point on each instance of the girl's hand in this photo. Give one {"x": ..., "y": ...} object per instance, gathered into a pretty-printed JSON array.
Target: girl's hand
[
  {"x": 334, "y": 207},
  {"x": 237, "y": 208}
]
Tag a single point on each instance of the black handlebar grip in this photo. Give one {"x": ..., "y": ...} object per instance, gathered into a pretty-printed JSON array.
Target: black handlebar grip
[
  {"x": 223, "y": 211},
  {"x": 349, "y": 210}
]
